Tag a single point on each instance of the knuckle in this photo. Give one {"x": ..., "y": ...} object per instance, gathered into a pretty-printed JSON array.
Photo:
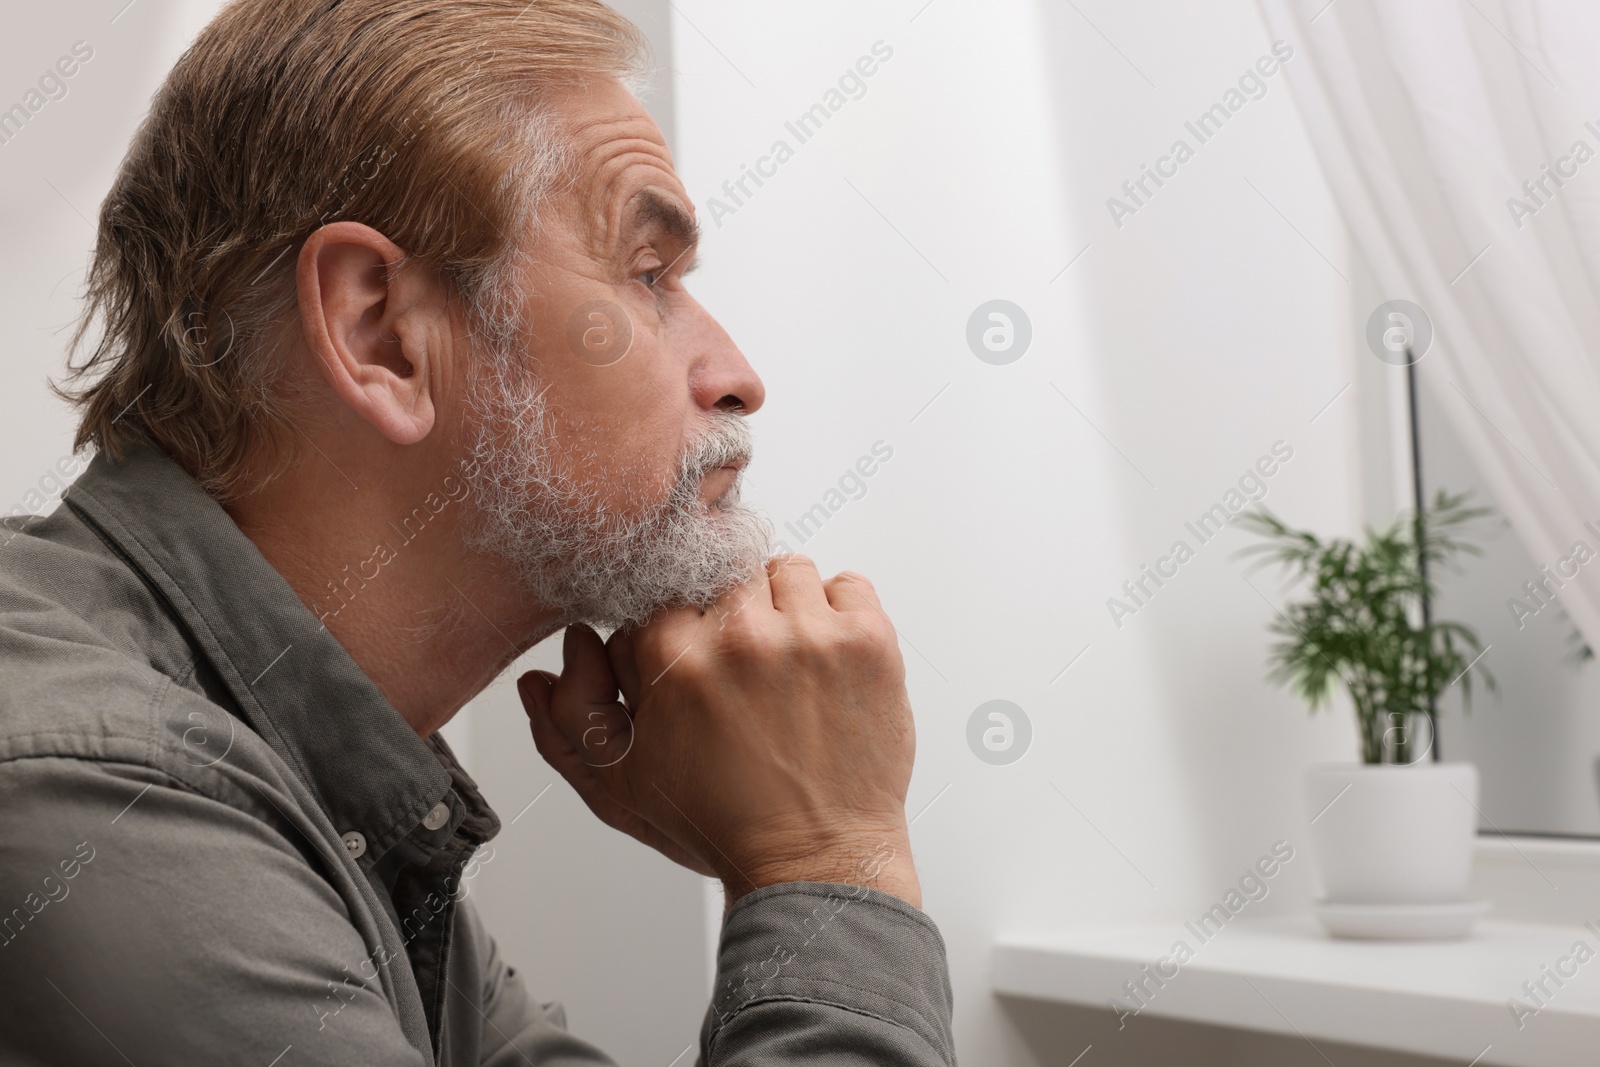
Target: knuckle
[
  {"x": 872, "y": 633},
  {"x": 819, "y": 644},
  {"x": 749, "y": 642},
  {"x": 659, "y": 657},
  {"x": 855, "y": 637}
]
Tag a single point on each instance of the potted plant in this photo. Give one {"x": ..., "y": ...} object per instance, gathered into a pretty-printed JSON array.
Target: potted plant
[{"x": 1394, "y": 833}]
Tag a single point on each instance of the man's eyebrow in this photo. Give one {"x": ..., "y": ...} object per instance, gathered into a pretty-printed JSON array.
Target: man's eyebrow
[{"x": 651, "y": 208}]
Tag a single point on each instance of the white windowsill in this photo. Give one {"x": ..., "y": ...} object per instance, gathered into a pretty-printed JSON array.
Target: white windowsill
[
  {"x": 1575, "y": 852},
  {"x": 1442, "y": 998}
]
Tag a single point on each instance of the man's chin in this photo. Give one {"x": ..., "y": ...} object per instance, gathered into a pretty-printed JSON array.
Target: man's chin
[{"x": 690, "y": 565}]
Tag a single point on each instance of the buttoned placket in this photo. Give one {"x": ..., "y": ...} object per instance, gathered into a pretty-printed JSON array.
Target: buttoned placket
[
  {"x": 420, "y": 874},
  {"x": 425, "y": 896}
]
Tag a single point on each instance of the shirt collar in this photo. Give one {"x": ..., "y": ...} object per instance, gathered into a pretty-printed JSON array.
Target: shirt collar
[{"x": 291, "y": 679}]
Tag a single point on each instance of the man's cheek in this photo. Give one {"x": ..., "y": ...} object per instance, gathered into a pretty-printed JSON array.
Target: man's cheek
[
  {"x": 618, "y": 432},
  {"x": 630, "y": 475}
]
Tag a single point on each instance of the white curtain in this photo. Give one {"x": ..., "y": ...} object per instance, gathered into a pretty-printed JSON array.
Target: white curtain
[{"x": 1428, "y": 117}]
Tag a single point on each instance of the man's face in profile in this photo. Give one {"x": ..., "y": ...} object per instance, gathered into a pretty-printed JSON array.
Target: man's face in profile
[{"x": 611, "y": 446}]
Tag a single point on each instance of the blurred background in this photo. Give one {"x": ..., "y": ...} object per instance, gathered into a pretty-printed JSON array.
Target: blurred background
[{"x": 1153, "y": 345}]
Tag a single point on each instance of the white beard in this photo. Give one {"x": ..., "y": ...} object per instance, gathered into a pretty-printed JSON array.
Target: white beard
[{"x": 572, "y": 552}]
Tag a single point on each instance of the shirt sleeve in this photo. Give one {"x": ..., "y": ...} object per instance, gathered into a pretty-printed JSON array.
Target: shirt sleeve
[
  {"x": 144, "y": 922},
  {"x": 811, "y": 973}
]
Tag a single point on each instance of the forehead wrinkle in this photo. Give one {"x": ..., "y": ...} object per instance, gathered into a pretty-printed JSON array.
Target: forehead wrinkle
[{"x": 612, "y": 163}]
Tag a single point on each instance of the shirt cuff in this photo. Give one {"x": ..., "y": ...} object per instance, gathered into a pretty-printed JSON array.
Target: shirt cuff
[{"x": 846, "y": 946}]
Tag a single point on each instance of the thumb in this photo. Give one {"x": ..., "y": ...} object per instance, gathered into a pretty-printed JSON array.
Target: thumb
[
  {"x": 536, "y": 687},
  {"x": 625, "y": 667}
]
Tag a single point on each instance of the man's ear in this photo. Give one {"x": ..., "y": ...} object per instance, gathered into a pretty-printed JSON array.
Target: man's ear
[{"x": 376, "y": 331}]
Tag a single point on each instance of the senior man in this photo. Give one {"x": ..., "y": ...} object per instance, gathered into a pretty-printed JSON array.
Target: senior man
[{"x": 391, "y": 373}]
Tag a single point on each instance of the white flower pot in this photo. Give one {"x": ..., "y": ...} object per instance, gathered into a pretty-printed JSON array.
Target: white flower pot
[{"x": 1394, "y": 845}]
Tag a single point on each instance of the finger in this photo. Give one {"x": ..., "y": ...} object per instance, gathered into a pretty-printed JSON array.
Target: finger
[
  {"x": 850, "y": 591},
  {"x": 573, "y": 763},
  {"x": 583, "y": 700},
  {"x": 568, "y": 762},
  {"x": 587, "y": 782},
  {"x": 625, "y": 667},
  {"x": 796, "y": 584},
  {"x": 535, "y": 688},
  {"x": 552, "y": 744}
]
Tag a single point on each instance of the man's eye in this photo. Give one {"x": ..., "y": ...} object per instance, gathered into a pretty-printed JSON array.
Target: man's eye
[{"x": 649, "y": 277}]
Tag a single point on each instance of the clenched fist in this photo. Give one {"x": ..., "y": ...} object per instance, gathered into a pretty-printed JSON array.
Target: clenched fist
[{"x": 765, "y": 739}]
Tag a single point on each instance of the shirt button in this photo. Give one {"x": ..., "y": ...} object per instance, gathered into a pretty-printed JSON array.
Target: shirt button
[
  {"x": 437, "y": 817},
  {"x": 355, "y": 844}
]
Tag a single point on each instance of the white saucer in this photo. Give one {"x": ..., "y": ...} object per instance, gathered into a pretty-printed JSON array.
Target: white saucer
[{"x": 1393, "y": 922}]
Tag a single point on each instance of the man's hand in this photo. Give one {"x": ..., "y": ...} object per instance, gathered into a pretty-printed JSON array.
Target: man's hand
[{"x": 766, "y": 739}]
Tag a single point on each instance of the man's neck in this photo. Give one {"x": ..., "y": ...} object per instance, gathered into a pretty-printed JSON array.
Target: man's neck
[{"x": 431, "y": 623}]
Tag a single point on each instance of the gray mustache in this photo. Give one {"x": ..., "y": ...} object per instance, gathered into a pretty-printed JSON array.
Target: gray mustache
[{"x": 728, "y": 440}]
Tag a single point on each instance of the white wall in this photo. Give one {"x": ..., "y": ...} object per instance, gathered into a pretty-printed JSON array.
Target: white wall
[{"x": 53, "y": 176}]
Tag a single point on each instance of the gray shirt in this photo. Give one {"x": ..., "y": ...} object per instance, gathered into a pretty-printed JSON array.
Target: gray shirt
[{"x": 219, "y": 843}]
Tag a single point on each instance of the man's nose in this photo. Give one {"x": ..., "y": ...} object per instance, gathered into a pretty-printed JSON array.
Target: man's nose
[{"x": 722, "y": 378}]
